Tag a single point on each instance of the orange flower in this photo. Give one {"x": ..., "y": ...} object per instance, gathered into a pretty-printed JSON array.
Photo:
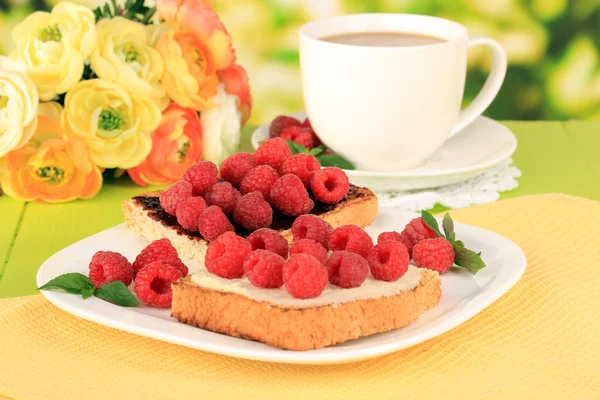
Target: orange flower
[
  {"x": 200, "y": 18},
  {"x": 236, "y": 83},
  {"x": 176, "y": 146},
  {"x": 50, "y": 168}
]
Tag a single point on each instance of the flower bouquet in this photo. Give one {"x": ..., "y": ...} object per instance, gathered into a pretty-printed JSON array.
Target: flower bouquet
[{"x": 149, "y": 91}]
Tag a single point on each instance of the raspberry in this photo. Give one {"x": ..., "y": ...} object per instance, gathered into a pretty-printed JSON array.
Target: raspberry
[
  {"x": 153, "y": 284},
  {"x": 264, "y": 269},
  {"x": 109, "y": 266},
  {"x": 253, "y": 212},
  {"x": 160, "y": 250},
  {"x": 281, "y": 123},
  {"x": 213, "y": 223},
  {"x": 316, "y": 140},
  {"x": 329, "y": 185},
  {"x": 223, "y": 195},
  {"x": 416, "y": 230},
  {"x": 436, "y": 254},
  {"x": 235, "y": 167},
  {"x": 304, "y": 276},
  {"x": 225, "y": 256},
  {"x": 188, "y": 212},
  {"x": 270, "y": 240},
  {"x": 259, "y": 179},
  {"x": 273, "y": 152},
  {"x": 179, "y": 191},
  {"x": 303, "y": 166},
  {"x": 312, "y": 227},
  {"x": 202, "y": 176},
  {"x": 307, "y": 246},
  {"x": 351, "y": 238},
  {"x": 388, "y": 261},
  {"x": 396, "y": 237},
  {"x": 307, "y": 124},
  {"x": 299, "y": 135},
  {"x": 346, "y": 270},
  {"x": 289, "y": 196}
]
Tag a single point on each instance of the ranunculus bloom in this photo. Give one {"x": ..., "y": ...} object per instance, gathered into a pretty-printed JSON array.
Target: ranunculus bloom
[
  {"x": 18, "y": 106},
  {"x": 221, "y": 127},
  {"x": 200, "y": 18},
  {"x": 114, "y": 124},
  {"x": 125, "y": 55},
  {"x": 54, "y": 46},
  {"x": 189, "y": 77},
  {"x": 50, "y": 168},
  {"x": 176, "y": 146},
  {"x": 236, "y": 83}
]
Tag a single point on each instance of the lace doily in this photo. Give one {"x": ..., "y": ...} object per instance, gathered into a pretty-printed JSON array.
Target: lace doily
[{"x": 484, "y": 188}]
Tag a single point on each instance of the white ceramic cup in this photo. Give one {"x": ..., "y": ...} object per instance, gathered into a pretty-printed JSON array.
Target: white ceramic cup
[{"x": 389, "y": 108}]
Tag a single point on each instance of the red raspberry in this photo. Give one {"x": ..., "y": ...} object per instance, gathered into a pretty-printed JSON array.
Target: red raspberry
[
  {"x": 396, "y": 237},
  {"x": 188, "y": 212},
  {"x": 223, "y": 195},
  {"x": 388, "y": 261},
  {"x": 330, "y": 185},
  {"x": 303, "y": 166},
  {"x": 153, "y": 284},
  {"x": 272, "y": 152},
  {"x": 299, "y": 135},
  {"x": 436, "y": 254},
  {"x": 307, "y": 124},
  {"x": 179, "y": 191},
  {"x": 253, "y": 212},
  {"x": 351, "y": 238},
  {"x": 316, "y": 140},
  {"x": 304, "y": 276},
  {"x": 346, "y": 270},
  {"x": 109, "y": 266},
  {"x": 213, "y": 223},
  {"x": 259, "y": 179},
  {"x": 160, "y": 250},
  {"x": 289, "y": 196},
  {"x": 270, "y": 240},
  {"x": 416, "y": 230},
  {"x": 310, "y": 226},
  {"x": 307, "y": 246},
  {"x": 225, "y": 256},
  {"x": 264, "y": 269},
  {"x": 281, "y": 123},
  {"x": 235, "y": 167},
  {"x": 202, "y": 176}
]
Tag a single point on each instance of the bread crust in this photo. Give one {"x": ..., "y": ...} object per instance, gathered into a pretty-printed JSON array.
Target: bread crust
[{"x": 301, "y": 328}]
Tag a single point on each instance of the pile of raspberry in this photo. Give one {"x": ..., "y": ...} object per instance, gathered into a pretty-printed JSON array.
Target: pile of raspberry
[
  {"x": 289, "y": 128},
  {"x": 152, "y": 272},
  {"x": 250, "y": 188}
]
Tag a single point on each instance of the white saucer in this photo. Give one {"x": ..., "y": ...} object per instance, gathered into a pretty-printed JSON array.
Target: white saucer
[{"x": 482, "y": 145}]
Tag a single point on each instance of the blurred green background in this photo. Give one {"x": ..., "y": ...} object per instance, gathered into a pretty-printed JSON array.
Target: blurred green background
[{"x": 553, "y": 48}]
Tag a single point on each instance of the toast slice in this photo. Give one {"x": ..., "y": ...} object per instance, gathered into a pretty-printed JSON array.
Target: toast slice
[
  {"x": 145, "y": 217},
  {"x": 302, "y": 328}
]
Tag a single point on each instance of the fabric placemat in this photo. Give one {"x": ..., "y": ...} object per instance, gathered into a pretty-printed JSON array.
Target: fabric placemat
[{"x": 540, "y": 340}]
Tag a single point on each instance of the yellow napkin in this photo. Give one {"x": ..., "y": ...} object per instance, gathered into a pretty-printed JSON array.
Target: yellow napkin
[{"x": 541, "y": 340}]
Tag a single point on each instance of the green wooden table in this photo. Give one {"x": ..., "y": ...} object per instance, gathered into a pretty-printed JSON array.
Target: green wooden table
[{"x": 553, "y": 156}]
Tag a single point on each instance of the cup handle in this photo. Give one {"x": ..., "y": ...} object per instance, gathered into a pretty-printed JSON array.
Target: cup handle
[{"x": 490, "y": 88}]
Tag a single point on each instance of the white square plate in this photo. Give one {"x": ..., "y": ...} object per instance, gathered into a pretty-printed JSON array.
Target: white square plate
[{"x": 463, "y": 296}]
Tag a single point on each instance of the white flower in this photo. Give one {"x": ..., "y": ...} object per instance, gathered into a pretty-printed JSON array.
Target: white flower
[{"x": 221, "y": 126}]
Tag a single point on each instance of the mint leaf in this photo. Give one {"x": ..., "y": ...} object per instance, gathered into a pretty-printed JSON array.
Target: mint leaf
[
  {"x": 85, "y": 293},
  {"x": 431, "y": 222},
  {"x": 74, "y": 283},
  {"x": 458, "y": 243},
  {"x": 333, "y": 160},
  {"x": 448, "y": 226},
  {"x": 296, "y": 148},
  {"x": 117, "y": 293},
  {"x": 317, "y": 150},
  {"x": 468, "y": 259}
]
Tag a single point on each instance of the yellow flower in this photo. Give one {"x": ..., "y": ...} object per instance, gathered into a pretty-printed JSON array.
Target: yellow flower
[
  {"x": 124, "y": 55},
  {"x": 18, "y": 106},
  {"x": 49, "y": 167},
  {"x": 54, "y": 46},
  {"x": 115, "y": 125}
]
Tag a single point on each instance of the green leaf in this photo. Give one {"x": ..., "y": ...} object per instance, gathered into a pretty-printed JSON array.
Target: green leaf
[
  {"x": 117, "y": 293},
  {"x": 431, "y": 222},
  {"x": 87, "y": 292},
  {"x": 317, "y": 150},
  {"x": 296, "y": 148},
  {"x": 448, "y": 226},
  {"x": 74, "y": 283},
  {"x": 468, "y": 259},
  {"x": 333, "y": 160},
  {"x": 458, "y": 243}
]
